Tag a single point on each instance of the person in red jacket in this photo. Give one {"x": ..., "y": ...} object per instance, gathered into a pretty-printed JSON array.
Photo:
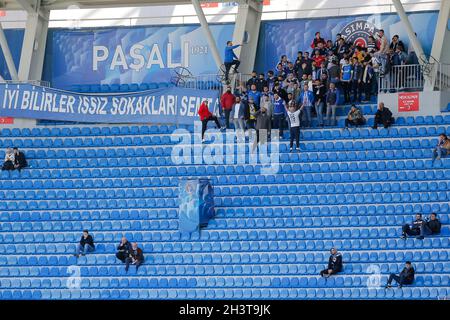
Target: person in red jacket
[
  {"x": 227, "y": 101},
  {"x": 206, "y": 116},
  {"x": 317, "y": 39}
]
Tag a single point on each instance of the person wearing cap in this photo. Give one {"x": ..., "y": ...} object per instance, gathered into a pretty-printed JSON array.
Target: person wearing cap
[
  {"x": 405, "y": 277},
  {"x": 334, "y": 264},
  {"x": 206, "y": 116},
  {"x": 86, "y": 244}
]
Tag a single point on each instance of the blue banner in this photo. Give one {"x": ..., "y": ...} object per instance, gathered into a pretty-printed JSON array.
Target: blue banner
[{"x": 168, "y": 105}]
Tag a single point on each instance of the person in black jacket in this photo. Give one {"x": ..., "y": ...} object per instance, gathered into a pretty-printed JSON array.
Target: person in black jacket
[
  {"x": 334, "y": 264},
  {"x": 86, "y": 244},
  {"x": 413, "y": 229},
  {"x": 19, "y": 159},
  {"x": 123, "y": 250},
  {"x": 136, "y": 257},
  {"x": 383, "y": 116},
  {"x": 430, "y": 227},
  {"x": 405, "y": 277}
]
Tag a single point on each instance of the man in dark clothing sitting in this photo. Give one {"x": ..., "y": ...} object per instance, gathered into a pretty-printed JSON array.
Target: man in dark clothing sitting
[
  {"x": 135, "y": 257},
  {"x": 405, "y": 277},
  {"x": 19, "y": 159},
  {"x": 430, "y": 227},
  {"x": 413, "y": 229},
  {"x": 123, "y": 250},
  {"x": 383, "y": 116},
  {"x": 86, "y": 244},
  {"x": 334, "y": 264}
]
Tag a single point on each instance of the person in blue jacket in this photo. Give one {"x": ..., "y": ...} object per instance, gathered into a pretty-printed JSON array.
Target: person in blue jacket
[
  {"x": 255, "y": 94},
  {"x": 306, "y": 101},
  {"x": 230, "y": 58}
]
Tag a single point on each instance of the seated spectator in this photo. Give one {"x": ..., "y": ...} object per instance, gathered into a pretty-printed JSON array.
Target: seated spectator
[
  {"x": 413, "y": 229},
  {"x": 19, "y": 159},
  {"x": 354, "y": 117},
  {"x": 294, "y": 121},
  {"x": 430, "y": 227},
  {"x": 334, "y": 264},
  {"x": 405, "y": 277},
  {"x": 123, "y": 250},
  {"x": 443, "y": 147},
  {"x": 136, "y": 257},
  {"x": 238, "y": 113},
  {"x": 9, "y": 160},
  {"x": 205, "y": 117},
  {"x": 86, "y": 244},
  {"x": 383, "y": 116}
]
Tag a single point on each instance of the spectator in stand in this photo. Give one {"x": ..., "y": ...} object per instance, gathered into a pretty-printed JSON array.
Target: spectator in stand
[
  {"x": 280, "y": 71},
  {"x": 396, "y": 42},
  {"x": 322, "y": 71},
  {"x": 346, "y": 79},
  {"x": 298, "y": 62},
  {"x": 136, "y": 257},
  {"x": 227, "y": 101},
  {"x": 329, "y": 47},
  {"x": 295, "y": 91},
  {"x": 412, "y": 57},
  {"x": 280, "y": 91},
  {"x": 334, "y": 72},
  {"x": 357, "y": 85},
  {"x": 342, "y": 48},
  {"x": 443, "y": 147},
  {"x": 306, "y": 59},
  {"x": 86, "y": 244},
  {"x": 266, "y": 92},
  {"x": 322, "y": 50},
  {"x": 399, "y": 58},
  {"x": 123, "y": 250},
  {"x": 431, "y": 227},
  {"x": 294, "y": 124},
  {"x": 318, "y": 58},
  {"x": 263, "y": 127},
  {"x": 405, "y": 277},
  {"x": 376, "y": 72},
  {"x": 371, "y": 45},
  {"x": 231, "y": 59},
  {"x": 279, "y": 114},
  {"x": 270, "y": 80},
  {"x": 305, "y": 102},
  {"x": 334, "y": 264},
  {"x": 314, "y": 71},
  {"x": 319, "y": 90},
  {"x": 413, "y": 229},
  {"x": 358, "y": 54},
  {"x": 252, "y": 81},
  {"x": 267, "y": 102},
  {"x": 261, "y": 82},
  {"x": 8, "y": 164},
  {"x": 354, "y": 117},
  {"x": 367, "y": 79},
  {"x": 332, "y": 100},
  {"x": 19, "y": 159},
  {"x": 239, "y": 114},
  {"x": 284, "y": 61},
  {"x": 383, "y": 116},
  {"x": 383, "y": 42},
  {"x": 290, "y": 69},
  {"x": 280, "y": 80},
  {"x": 255, "y": 94},
  {"x": 337, "y": 41},
  {"x": 205, "y": 117},
  {"x": 252, "y": 108},
  {"x": 305, "y": 69},
  {"x": 317, "y": 40}
]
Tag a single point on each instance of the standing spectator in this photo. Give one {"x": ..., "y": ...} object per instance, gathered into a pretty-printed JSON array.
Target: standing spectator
[
  {"x": 357, "y": 85},
  {"x": 354, "y": 117},
  {"x": 395, "y": 43},
  {"x": 346, "y": 79},
  {"x": 442, "y": 148},
  {"x": 279, "y": 114},
  {"x": 261, "y": 82},
  {"x": 252, "y": 81},
  {"x": 305, "y": 69},
  {"x": 298, "y": 62},
  {"x": 270, "y": 80},
  {"x": 383, "y": 42},
  {"x": 332, "y": 100},
  {"x": 205, "y": 117},
  {"x": 267, "y": 103},
  {"x": 231, "y": 59},
  {"x": 371, "y": 45},
  {"x": 317, "y": 39},
  {"x": 318, "y": 58},
  {"x": 239, "y": 114},
  {"x": 280, "y": 71},
  {"x": 334, "y": 72},
  {"x": 263, "y": 127},
  {"x": 86, "y": 244},
  {"x": 294, "y": 121},
  {"x": 284, "y": 61},
  {"x": 337, "y": 41},
  {"x": 19, "y": 159},
  {"x": 306, "y": 102},
  {"x": 290, "y": 68},
  {"x": 413, "y": 229},
  {"x": 281, "y": 92},
  {"x": 376, "y": 72},
  {"x": 383, "y": 116},
  {"x": 342, "y": 48},
  {"x": 322, "y": 71},
  {"x": 8, "y": 164},
  {"x": 334, "y": 264},
  {"x": 358, "y": 54},
  {"x": 399, "y": 58},
  {"x": 227, "y": 101},
  {"x": 255, "y": 94},
  {"x": 252, "y": 108},
  {"x": 266, "y": 92},
  {"x": 319, "y": 90},
  {"x": 135, "y": 257},
  {"x": 123, "y": 250},
  {"x": 367, "y": 78},
  {"x": 430, "y": 227},
  {"x": 405, "y": 277}
]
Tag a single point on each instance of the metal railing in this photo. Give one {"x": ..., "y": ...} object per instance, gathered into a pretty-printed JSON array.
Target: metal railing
[
  {"x": 202, "y": 82},
  {"x": 442, "y": 82},
  {"x": 41, "y": 83}
]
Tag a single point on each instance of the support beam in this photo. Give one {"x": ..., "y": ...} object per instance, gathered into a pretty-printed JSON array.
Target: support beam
[
  {"x": 26, "y": 5},
  {"x": 211, "y": 42},
  {"x": 8, "y": 56}
]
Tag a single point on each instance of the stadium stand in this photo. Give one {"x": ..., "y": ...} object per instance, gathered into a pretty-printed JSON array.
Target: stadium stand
[{"x": 348, "y": 189}]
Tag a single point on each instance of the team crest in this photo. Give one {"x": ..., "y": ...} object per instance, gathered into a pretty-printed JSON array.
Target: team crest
[{"x": 358, "y": 32}]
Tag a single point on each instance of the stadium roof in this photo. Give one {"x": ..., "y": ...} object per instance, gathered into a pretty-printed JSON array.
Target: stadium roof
[{"x": 89, "y": 4}]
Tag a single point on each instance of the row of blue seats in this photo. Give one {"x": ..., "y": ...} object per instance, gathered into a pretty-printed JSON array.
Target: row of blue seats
[
  {"x": 208, "y": 294},
  {"x": 119, "y": 88}
]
